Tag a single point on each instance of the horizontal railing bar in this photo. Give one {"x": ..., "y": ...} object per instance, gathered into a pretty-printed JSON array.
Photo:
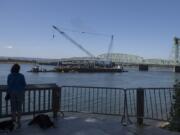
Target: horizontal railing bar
[
  {"x": 151, "y": 88},
  {"x": 115, "y": 88},
  {"x": 64, "y": 86},
  {"x": 41, "y": 86},
  {"x": 34, "y": 86}
]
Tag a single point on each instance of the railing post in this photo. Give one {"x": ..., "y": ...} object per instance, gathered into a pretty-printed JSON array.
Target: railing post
[
  {"x": 0, "y": 103},
  {"x": 140, "y": 106},
  {"x": 56, "y": 101},
  {"x": 125, "y": 118}
]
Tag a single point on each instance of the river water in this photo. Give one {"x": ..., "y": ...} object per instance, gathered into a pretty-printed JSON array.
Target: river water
[
  {"x": 157, "y": 102},
  {"x": 130, "y": 79}
]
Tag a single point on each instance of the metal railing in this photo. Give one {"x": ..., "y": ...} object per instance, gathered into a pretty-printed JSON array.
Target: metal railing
[
  {"x": 100, "y": 100},
  {"x": 111, "y": 101},
  {"x": 155, "y": 103},
  {"x": 158, "y": 102},
  {"x": 38, "y": 98}
]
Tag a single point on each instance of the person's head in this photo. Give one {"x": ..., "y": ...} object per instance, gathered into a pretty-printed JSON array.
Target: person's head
[{"x": 15, "y": 68}]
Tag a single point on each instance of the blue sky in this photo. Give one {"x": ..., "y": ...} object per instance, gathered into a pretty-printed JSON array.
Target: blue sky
[{"x": 141, "y": 27}]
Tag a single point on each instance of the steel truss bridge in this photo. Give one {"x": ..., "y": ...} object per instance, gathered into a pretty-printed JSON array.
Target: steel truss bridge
[{"x": 128, "y": 59}]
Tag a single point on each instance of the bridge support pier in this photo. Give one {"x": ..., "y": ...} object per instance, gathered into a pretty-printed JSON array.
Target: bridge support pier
[
  {"x": 143, "y": 67},
  {"x": 177, "y": 69}
]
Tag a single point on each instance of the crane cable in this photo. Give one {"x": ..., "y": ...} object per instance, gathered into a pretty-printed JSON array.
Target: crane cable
[
  {"x": 92, "y": 33},
  {"x": 73, "y": 41},
  {"x": 85, "y": 32}
]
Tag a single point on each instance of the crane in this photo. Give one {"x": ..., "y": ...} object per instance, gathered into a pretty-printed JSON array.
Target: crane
[
  {"x": 98, "y": 62},
  {"x": 110, "y": 47},
  {"x": 73, "y": 41}
]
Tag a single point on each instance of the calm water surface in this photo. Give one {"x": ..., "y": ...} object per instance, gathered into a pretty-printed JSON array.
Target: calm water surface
[{"x": 132, "y": 78}]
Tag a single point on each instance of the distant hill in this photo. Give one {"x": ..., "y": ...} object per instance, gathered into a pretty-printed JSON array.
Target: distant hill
[{"x": 28, "y": 60}]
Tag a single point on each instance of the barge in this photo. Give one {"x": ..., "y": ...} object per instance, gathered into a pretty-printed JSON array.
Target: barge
[
  {"x": 89, "y": 70},
  {"x": 82, "y": 66}
]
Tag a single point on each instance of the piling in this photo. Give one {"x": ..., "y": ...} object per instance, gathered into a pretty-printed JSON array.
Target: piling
[
  {"x": 143, "y": 67},
  {"x": 177, "y": 69}
]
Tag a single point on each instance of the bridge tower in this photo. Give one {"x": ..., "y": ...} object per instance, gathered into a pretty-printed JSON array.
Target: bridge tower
[
  {"x": 177, "y": 54},
  {"x": 177, "y": 51}
]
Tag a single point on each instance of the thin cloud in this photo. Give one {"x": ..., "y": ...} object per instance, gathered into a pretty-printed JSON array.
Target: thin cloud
[{"x": 8, "y": 47}]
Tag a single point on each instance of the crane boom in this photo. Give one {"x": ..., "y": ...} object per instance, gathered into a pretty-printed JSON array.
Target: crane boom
[
  {"x": 73, "y": 41},
  {"x": 110, "y": 46}
]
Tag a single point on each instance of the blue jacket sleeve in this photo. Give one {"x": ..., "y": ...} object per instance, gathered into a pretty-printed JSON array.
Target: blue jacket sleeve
[
  {"x": 24, "y": 81},
  {"x": 8, "y": 83}
]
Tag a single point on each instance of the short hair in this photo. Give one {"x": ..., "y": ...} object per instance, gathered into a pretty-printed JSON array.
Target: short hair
[{"x": 15, "y": 68}]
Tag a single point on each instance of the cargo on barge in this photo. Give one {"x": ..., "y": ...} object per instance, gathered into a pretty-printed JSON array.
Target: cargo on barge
[{"x": 89, "y": 70}]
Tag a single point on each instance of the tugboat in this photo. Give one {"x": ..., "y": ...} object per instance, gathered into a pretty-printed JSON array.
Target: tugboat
[{"x": 37, "y": 69}]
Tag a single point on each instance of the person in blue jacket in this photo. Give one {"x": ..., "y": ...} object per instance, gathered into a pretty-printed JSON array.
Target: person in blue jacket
[{"x": 16, "y": 91}]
